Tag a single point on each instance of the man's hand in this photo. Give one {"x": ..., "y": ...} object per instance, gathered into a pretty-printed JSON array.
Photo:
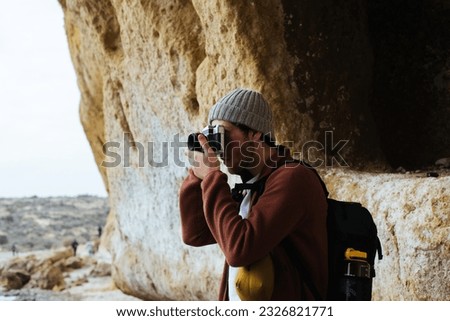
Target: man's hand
[{"x": 206, "y": 162}]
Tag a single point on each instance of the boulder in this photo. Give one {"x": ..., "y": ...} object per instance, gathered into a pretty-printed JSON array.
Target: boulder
[
  {"x": 73, "y": 263},
  {"x": 101, "y": 269},
  {"x": 49, "y": 278},
  {"x": 43, "y": 271},
  {"x": 14, "y": 279}
]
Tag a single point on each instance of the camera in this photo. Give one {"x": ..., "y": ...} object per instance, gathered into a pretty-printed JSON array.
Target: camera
[{"x": 215, "y": 136}]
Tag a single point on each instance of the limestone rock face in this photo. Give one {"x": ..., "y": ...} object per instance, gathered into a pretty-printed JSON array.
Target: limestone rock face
[{"x": 148, "y": 72}]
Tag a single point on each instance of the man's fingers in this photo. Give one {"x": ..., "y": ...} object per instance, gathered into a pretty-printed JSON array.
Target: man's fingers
[
  {"x": 207, "y": 161},
  {"x": 203, "y": 142},
  {"x": 205, "y": 145},
  {"x": 208, "y": 151}
]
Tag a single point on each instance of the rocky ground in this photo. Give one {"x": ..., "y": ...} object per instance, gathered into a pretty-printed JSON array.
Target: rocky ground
[{"x": 36, "y": 257}]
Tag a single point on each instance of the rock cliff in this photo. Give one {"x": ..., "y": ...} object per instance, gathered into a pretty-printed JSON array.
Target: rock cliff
[{"x": 342, "y": 92}]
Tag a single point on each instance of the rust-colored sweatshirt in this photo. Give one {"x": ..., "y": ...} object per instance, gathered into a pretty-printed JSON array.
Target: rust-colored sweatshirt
[{"x": 292, "y": 205}]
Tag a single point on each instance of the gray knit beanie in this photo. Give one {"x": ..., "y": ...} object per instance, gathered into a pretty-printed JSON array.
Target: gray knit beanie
[{"x": 246, "y": 107}]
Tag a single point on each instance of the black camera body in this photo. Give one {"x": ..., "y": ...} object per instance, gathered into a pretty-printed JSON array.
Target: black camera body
[{"x": 215, "y": 136}]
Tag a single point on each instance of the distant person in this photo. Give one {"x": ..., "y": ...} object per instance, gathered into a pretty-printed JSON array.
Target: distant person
[
  {"x": 14, "y": 250},
  {"x": 99, "y": 231},
  {"x": 74, "y": 247}
]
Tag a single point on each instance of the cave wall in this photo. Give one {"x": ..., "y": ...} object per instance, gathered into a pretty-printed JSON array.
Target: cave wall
[
  {"x": 148, "y": 72},
  {"x": 410, "y": 99}
]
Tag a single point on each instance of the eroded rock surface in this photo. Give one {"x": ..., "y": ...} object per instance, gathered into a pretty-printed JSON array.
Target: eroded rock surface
[{"x": 148, "y": 72}]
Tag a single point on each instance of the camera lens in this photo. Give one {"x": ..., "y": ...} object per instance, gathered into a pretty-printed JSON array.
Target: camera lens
[{"x": 193, "y": 143}]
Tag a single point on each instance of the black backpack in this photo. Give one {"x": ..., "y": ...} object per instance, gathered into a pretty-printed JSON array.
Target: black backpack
[{"x": 352, "y": 247}]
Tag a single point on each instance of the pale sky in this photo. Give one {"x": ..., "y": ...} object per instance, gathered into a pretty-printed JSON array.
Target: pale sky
[{"x": 43, "y": 149}]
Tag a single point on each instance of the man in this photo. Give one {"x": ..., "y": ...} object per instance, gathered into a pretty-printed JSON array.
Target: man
[
  {"x": 74, "y": 247},
  {"x": 292, "y": 205}
]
